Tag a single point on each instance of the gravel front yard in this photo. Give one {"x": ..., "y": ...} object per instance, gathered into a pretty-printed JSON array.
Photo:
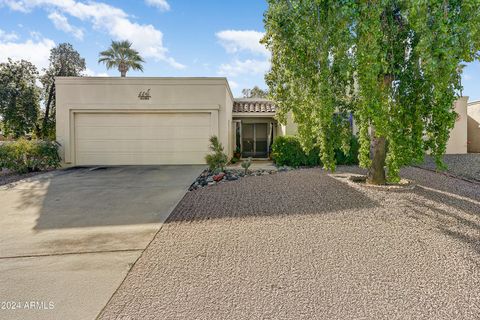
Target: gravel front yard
[
  {"x": 463, "y": 165},
  {"x": 305, "y": 245}
]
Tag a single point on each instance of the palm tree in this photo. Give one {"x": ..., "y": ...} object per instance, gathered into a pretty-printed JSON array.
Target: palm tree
[{"x": 120, "y": 55}]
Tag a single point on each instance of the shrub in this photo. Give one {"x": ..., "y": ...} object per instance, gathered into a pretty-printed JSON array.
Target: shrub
[
  {"x": 287, "y": 151},
  {"x": 246, "y": 164},
  {"x": 352, "y": 156},
  {"x": 218, "y": 159},
  {"x": 24, "y": 156}
]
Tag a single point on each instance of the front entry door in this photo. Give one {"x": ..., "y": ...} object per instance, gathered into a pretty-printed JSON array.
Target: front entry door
[{"x": 255, "y": 140}]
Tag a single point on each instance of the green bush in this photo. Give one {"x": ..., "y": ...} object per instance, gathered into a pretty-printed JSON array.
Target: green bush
[
  {"x": 218, "y": 159},
  {"x": 287, "y": 151},
  {"x": 352, "y": 156},
  {"x": 234, "y": 160},
  {"x": 24, "y": 156}
]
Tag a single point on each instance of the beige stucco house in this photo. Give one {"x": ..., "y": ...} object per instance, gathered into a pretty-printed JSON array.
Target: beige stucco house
[
  {"x": 473, "y": 113},
  {"x": 126, "y": 121},
  {"x": 458, "y": 142},
  {"x": 142, "y": 121}
]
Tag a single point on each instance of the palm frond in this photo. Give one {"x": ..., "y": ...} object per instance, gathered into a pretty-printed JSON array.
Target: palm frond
[{"x": 121, "y": 53}]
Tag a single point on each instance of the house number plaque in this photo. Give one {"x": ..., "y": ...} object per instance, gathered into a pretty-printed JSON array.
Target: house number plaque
[{"x": 144, "y": 95}]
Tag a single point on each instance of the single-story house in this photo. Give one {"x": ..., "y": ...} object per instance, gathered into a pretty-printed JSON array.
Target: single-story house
[
  {"x": 127, "y": 121},
  {"x": 142, "y": 121}
]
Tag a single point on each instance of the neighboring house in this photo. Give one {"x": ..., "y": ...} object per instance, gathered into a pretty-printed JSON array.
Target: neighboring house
[
  {"x": 122, "y": 121},
  {"x": 142, "y": 121},
  {"x": 473, "y": 111},
  {"x": 458, "y": 142}
]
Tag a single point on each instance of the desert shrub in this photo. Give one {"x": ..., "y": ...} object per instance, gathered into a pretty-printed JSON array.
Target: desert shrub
[
  {"x": 29, "y": 155},
  {"x": 287, "y": 151},
  {"x": 246, "y": 164},
  {"x": 218, "y": 159}
]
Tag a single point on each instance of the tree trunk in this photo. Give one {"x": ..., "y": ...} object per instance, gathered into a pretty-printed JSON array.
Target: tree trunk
[
  {"x": 47, "y": 110},
  {"x": 378, "y": 145},
  {"x": 378, "y": 154},
  {"x": 123, "y": 70}
]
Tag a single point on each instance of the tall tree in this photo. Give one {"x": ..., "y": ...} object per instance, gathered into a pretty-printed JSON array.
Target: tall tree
[
  {"x": 255, "y": 92},
  {"x": 122, "y": 56},
  {"x": 65, "y": 61},
  {"x": 19, "y": 97},
  {"x": 392, "y": 63}
]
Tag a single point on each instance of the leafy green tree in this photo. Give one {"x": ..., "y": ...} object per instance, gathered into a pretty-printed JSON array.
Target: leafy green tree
[
  {"x": 392, "y": 63},
  {"x": 65, "y": 61},
  {"x": 19, "y": 97},
  {"x": 255, "y": 92},
  {"x": 120, "y": 55}
]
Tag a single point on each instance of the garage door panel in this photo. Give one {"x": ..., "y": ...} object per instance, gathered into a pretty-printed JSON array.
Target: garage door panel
[
  {"x": 85, "y": 158},
  {"x": 146, "y": 146},
  {"x": 144, "y": 120},
  {"x": 131, "y": 138},
  {"x": 142, "y": 133}
]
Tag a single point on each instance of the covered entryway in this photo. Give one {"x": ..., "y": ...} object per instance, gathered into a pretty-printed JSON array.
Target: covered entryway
[
  {"x": 141, "y": 138},
  {"x": 255, "y": 140},
  {"x": 255, "y": 127}
]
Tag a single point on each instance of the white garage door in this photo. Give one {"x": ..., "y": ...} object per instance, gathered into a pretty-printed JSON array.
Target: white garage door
[{"x": 141, "y": 138}]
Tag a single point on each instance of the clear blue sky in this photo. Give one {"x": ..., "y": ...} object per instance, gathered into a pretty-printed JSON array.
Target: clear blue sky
[{"x": 177, "y": 37}]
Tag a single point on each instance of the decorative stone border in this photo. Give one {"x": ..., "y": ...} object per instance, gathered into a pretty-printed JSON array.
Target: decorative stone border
[
  {"x": 360, "y": 180},
  {"x": 210, "y": 178}
]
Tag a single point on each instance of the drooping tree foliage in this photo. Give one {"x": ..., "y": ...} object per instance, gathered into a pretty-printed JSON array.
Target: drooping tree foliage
[
  {"x": 19, "y": 97},
  {"x": 394, "y": 64},
  {"x": 65, "y": 61}
]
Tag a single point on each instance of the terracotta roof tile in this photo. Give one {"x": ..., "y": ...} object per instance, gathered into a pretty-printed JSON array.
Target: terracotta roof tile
[{"x": 253, "y": 105}]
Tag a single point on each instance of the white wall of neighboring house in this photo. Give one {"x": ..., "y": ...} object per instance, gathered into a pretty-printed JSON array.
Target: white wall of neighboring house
[
  {"x": 473, "y": 115},
  {"x": 457, "y": 144}
]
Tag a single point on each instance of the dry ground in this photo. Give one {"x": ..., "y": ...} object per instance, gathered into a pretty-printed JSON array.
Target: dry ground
[
  {"x": 6, "y": 178},
  {"x": 463, "y": 165},
  {"x": 306, "y": 245}
]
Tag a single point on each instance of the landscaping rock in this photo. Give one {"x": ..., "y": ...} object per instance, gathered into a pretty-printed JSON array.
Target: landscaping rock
[
  {"x": 231, "y": 177},
  {"x": 210, "y": 178},
  {"x": 284, "y": 168},
  {"x": 218, "y": 177}
]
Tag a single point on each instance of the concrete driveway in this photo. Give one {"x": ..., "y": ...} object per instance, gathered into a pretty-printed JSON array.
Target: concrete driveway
[{"x": 68, "y": 238}]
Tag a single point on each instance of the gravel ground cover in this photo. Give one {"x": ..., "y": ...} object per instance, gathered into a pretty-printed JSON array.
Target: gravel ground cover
[
  {"x": 307, "y": 245},
  {"x": 463, "y": 165}
]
